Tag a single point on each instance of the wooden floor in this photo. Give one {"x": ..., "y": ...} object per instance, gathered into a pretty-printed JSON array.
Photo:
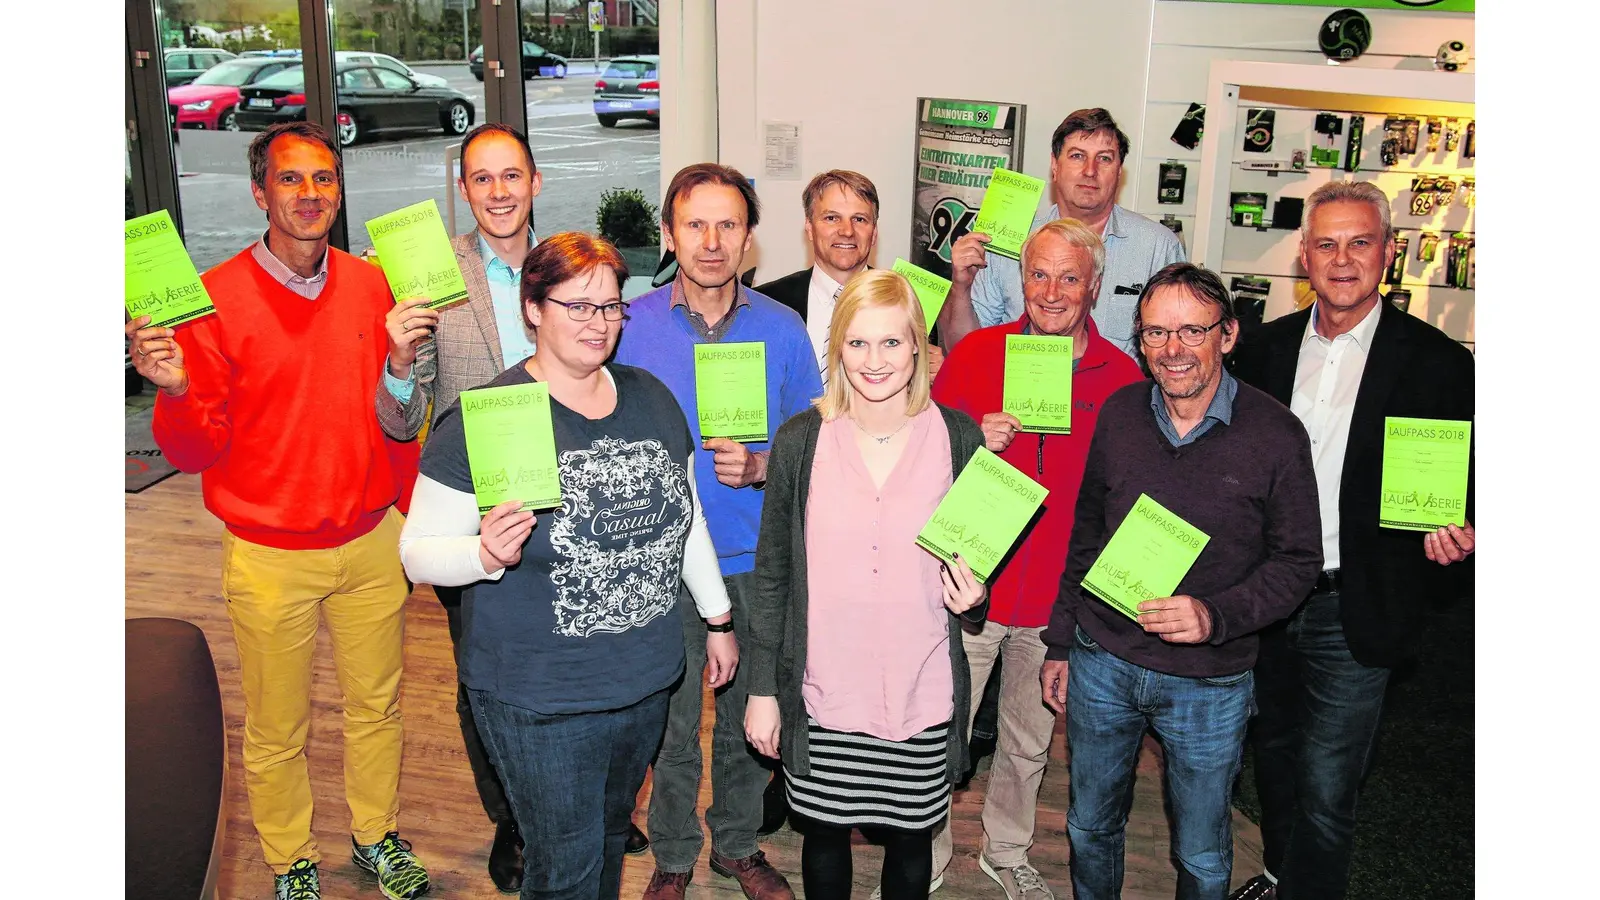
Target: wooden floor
[{"x": 173, "y": 560}]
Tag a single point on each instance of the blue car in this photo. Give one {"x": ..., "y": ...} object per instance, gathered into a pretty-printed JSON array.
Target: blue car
[{"x": 629, "y": 89}]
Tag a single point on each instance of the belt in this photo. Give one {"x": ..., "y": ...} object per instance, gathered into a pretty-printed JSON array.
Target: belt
[{"x": 1328, "y": 582}]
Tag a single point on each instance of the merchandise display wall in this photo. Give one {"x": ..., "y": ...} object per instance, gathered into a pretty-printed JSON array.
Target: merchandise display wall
[{"x": 1189, "y": 36}]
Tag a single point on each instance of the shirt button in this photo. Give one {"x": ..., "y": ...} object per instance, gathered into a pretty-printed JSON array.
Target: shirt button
[
  {"x": 874, "y": 571},
  {"x": 874, "y": 546}
]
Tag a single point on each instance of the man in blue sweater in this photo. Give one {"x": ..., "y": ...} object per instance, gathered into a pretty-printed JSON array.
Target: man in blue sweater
[{"x": 707, "y": 219}]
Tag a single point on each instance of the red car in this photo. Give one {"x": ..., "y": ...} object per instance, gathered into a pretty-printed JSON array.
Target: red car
[{"x": 209, "y": 102}]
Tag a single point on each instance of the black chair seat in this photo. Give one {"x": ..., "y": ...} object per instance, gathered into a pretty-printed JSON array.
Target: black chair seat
[{"x": 177, "y": 758}]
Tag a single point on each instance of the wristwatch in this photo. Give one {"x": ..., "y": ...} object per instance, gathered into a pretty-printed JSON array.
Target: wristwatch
[{"x": 723, "y": 628}]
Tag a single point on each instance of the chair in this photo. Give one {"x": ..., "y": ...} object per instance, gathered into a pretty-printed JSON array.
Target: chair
[{"x": 177, "y": 755}]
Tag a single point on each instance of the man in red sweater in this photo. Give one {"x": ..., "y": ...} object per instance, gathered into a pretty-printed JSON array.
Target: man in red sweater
[
  {"x": 271, "y": 399},
  {"x": 1062, "y": 264}
]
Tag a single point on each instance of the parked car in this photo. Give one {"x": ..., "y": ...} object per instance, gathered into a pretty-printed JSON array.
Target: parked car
[
  {"x": 211, "y": 100},
  {"x": 385, "y": 61},
  {"x": 536, "y": 61},
  {"x": 184, "y": 64},
  {"x": 371, "y": 99},
  {"x": 629, "y": 89}
]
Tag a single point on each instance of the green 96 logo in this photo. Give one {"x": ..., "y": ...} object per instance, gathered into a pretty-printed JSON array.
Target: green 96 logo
[{"x": 950, "y": 220}]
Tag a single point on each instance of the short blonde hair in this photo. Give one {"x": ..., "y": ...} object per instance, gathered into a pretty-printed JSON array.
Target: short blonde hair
[
  {"x": 1075, "y": 233},
  {"x": 874, "y": 289}
]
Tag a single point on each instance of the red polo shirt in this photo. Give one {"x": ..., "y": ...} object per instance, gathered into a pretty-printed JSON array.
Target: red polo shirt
[{"x": 973, "y": 380}]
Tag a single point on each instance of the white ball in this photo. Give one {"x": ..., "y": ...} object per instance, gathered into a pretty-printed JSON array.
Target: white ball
[{"x": 1453, "y": 56}]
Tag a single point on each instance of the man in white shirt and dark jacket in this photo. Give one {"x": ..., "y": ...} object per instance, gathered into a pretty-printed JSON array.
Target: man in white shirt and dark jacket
[{"x": 1343, "y": 366}]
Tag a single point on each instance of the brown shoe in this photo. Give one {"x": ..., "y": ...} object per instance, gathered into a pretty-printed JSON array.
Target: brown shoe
[
  {"x": 757, "y": 877},
  {"x": 667, "y": 885}
]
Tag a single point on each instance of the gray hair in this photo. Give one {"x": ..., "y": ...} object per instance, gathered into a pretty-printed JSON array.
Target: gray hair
[
  {"x": 1357, "y": 191},
  {"x": 1075, "y": 233}
]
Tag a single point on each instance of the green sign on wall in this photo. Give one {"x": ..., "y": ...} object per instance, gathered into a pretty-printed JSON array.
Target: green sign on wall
[{"x": 1430, "y": 5}]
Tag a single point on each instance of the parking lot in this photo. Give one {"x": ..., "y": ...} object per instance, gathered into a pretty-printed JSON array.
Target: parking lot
[{"x": 580, "y": 160}]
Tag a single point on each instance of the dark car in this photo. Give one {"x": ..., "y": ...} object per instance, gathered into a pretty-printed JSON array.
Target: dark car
[
  {"x": 536, "y": 61},
  {"x": 370, "y": 100},
  {"x": 184, "y": 64},
  {"x": 629, "y": 89}
]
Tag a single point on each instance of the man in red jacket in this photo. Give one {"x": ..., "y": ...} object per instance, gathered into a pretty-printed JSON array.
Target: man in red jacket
[
  {"x": 271, "y": 399},
  {"x": 1062, "y": 264}
]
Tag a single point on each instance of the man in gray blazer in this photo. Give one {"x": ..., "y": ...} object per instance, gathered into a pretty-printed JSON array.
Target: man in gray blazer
[{"x": 440, "y": 354}]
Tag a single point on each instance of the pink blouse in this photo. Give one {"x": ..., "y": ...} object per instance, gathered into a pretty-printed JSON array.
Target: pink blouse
[{"x": 878, "y": 648}]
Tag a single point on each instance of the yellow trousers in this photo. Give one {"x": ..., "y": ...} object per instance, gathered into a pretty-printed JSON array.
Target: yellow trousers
[{"x": 274, "y": 600}]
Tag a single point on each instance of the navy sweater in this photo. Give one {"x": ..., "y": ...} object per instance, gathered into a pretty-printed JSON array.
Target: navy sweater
[{"x": 1249, "y": 485}]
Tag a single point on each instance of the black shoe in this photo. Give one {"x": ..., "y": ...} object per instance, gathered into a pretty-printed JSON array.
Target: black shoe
[
  {"x": 1257, "y": 888},
  {"x": 774, "y": 807},
  {"x": 637, "y": 842},
  {"x": 505, "y": 858}
]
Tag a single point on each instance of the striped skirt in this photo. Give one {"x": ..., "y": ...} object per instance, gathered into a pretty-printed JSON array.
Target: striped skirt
[{"x": 857, "y": 779}]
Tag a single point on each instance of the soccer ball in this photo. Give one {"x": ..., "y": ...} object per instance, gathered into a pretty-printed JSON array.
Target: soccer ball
[
  {"x": 1453, "y": 56},
  {"x": 1345, "y": 35}
]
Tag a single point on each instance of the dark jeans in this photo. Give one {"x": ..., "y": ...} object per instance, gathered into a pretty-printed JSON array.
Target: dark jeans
[
  {"x": 738, "y": 777},
  {"x": 1201, "y": 725},
  {"x": 572, "y": 780},
  {"x": 490, "y": 790},
  {"x": 1313, "y": 741}
]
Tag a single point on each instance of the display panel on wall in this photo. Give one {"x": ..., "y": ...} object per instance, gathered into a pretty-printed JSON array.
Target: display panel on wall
[
  {"x": 1429, "y": 5},
  {"x": 959, "y": 144}
]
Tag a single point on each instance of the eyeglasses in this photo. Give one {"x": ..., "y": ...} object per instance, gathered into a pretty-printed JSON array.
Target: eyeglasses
[
  {"x": 583, "y": 312},
  {"x": 1191, "y": 335}
]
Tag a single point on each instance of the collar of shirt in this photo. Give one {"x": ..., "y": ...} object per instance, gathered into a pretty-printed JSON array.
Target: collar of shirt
[
  {"x": 494, "y": 267},
  {"x": 1361, "y": 334},
  {"x": 823, "y": 283},
  {"x": 1219, "y": 410},
  {"x": 1116, "y": 226},
  {"x": 286, "y": 276}
]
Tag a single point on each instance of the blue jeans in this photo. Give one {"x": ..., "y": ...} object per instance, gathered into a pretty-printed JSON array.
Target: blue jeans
[
  {"x": 1201, "y": 725},
  {"x": 571, "y": 780},
  {"x": 1319, "y": 722}
]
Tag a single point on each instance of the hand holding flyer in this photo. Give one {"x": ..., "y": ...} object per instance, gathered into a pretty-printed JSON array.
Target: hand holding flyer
[
  {"x": 1038, "y": 382},
  {"x": 983, "y": 514},
  {"x": 511, "y": 446},
  {"x": 1006, "y": 215},
  {"x": 1425, "y": 463},
  {"x": 730, "y": 390},
  {"x": 159, "y": 277},
  {"x": 417, "y": 257},
  {"x": 1145, "y": 559},
  {"x": 931, "y": 289}
]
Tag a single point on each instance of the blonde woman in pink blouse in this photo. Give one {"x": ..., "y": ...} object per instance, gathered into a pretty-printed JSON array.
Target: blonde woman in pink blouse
[{"x": 859, "y": 683}]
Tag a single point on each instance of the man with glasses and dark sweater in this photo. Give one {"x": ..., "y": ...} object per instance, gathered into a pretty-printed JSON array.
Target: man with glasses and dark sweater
[{"x": 1236, "y": 465}]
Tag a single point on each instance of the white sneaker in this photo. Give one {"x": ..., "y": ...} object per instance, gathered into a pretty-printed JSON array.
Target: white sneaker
[
  {"x": 934, "y": 885},
  {"x": 1020, "y": 882}
]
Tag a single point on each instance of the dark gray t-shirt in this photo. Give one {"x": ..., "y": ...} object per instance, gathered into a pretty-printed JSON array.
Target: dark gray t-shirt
[{"x": 587, "y": 620}]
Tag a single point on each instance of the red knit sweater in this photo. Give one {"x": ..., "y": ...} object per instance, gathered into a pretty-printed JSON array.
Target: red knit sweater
[
  {"x": 972, "y": 380},
  {"x": 279, "y": 415}
]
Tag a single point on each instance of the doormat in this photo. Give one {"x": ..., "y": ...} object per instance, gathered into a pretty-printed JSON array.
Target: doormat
[{"x": 146, "y": 465}]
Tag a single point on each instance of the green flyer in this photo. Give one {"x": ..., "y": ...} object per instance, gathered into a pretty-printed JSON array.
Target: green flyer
[
  {"x": 1425, "y": 464},
  {"x": 416, "y": 255},
  {"x": 1006, "y": 215},
  {"x": 931, "y": 289},
  {"x": 159, "y": 276},
  {"x": 1145, "y": 559},
  {"x": 982, "y": 514},
  {"x": 511, "y": 446},
  {"x": 730, "y": 390},
  {"x": 1038, "y": 385}
]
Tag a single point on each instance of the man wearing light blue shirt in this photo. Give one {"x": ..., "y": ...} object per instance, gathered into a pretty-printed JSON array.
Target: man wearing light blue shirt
[
  {"x": 1087, "y": 153},
  {"x": 439, "y": 355}
]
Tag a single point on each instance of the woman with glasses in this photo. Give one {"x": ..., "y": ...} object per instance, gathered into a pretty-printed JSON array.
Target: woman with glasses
[
  {"x": 858, "y": 677},
  {"x": 571, "y": 635}
]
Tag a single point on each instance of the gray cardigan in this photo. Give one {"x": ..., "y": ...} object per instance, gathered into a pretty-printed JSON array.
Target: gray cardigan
[{"x": 775, "y": 660}]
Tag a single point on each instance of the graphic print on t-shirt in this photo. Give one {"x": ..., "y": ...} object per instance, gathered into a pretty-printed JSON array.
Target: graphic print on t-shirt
[{"x": 619, "y": 536}]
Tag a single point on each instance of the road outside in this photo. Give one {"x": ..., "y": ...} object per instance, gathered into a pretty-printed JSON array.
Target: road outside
[{"x": 580, "y": 160}]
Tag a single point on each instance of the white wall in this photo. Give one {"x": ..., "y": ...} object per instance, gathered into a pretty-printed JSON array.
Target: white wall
[{"x": 850, "y": 71}]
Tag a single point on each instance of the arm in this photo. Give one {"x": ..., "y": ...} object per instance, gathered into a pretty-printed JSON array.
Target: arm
[
  {"x": 701, "y": 571},
  {"x": 970, "y": 302},
  {"x": 439, "y": 543},
  {"x": 192, "y": 427},
  {"x": 1170, "y": 253},
  {"x": 1293, "y": 534},
  {"x": 1088, "y": 539},
  {"x": 768, "y": 603},
  {"x": 402, "y": 403}
]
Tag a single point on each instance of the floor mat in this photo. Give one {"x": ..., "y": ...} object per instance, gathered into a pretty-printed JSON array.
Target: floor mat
[{"x": 146, "y": 465}]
